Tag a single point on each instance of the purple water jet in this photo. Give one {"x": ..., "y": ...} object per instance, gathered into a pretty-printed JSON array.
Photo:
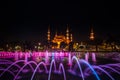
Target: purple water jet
[
  {"x": 52, "y": 62},
  {"x": 97, "y": 67},
  {"x": 61, "y": 67},
  {"x": 24, "y": 67},
  {"x": 46, "y": 58},
  {"x": 87, "y": 56},
  {"x": 41, "y": 63},
  {"x": 58, "y": 65},
  {"x": 94, "y": 57}
]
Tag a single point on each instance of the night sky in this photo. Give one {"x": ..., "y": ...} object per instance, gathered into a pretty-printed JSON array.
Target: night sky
[{"x": 29, "y": 20}]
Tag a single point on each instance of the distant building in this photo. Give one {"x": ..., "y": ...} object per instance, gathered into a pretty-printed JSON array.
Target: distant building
[{"x": 59, "y": 38}]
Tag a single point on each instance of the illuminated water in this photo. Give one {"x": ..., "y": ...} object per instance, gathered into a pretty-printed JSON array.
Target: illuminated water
[{"x": 55, "y": 65}]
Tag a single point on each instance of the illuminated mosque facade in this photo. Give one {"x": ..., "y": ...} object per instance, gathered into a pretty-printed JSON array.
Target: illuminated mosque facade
[
  {"x": 59, "y": 38},
  {"x": 67, "y": 38}
]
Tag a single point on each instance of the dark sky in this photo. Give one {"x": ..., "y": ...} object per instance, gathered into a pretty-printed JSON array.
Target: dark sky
[{"x": 29, "y": 19}]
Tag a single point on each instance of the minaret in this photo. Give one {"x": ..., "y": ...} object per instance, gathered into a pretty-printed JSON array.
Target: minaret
[
  {"x": 67, "y": 35},
  {"x": 91, "y": 34},
  {"x": 48, "y": 35},
  {"x": 71, "y": 38}
]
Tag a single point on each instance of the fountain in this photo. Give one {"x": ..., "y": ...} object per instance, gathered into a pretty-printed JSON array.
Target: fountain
[
  {"x": 87, "y": 56},
  {"x": 46, "y": 58},
  {"x": 26, "y": 58},
  {"x": 69, "y": 59},
  {"x": 94, "y": 57},
  {"x": 16, "y": 56},
  {"x": 50, "y": 69}
]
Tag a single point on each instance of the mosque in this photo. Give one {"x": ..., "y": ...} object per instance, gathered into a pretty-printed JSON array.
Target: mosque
[
  {"x": 59, "y": 38},
  {"x": 67, "y": 38}
]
